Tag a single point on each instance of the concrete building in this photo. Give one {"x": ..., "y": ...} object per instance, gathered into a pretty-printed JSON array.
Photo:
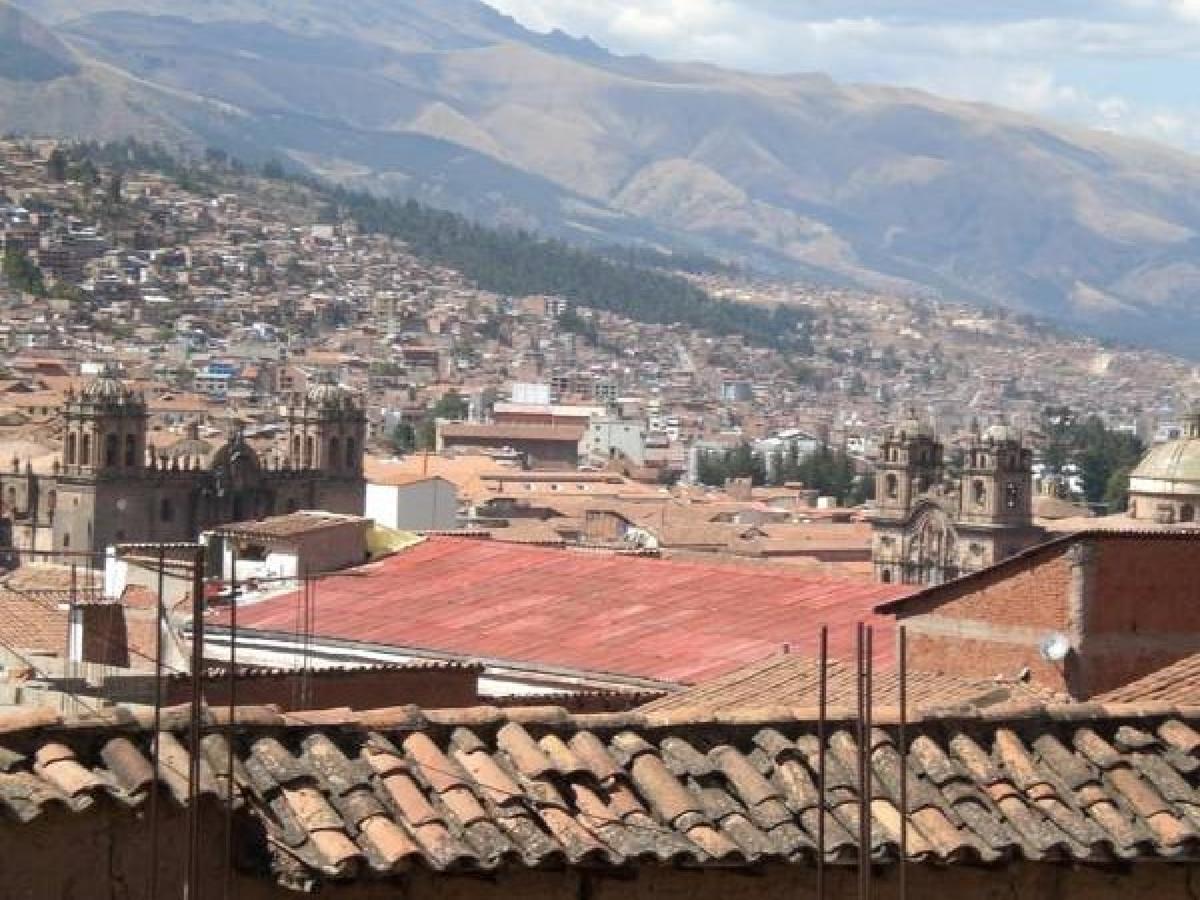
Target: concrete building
[
  {"x": 112, "y": 487},
  {"x": 926, "y": 530},
  {"x": 412, "y": 502},
  {"x": 614, "y": 438},
  {"x": 306, "y": 542}
]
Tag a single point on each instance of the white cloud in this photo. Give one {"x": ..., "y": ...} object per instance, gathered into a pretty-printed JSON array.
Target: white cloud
[{"x": 1118, "y": 64}]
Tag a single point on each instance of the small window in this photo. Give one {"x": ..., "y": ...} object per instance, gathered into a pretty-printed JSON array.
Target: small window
[
  {"x": 130, "y": 451},
  {"x": 892, "y": 486},
  {"x": 110, "y": 450},
  {"x": 66, "y": 540},
  {"x": 1012, "y": 494},
  {"x": 887, "y": 576},
  {"x": 979, "y": 492},
  {"x": 1187, "y": 513}
]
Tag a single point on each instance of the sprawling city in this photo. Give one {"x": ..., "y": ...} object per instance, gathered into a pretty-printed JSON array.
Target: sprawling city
[{"x": 377, "y": 521}]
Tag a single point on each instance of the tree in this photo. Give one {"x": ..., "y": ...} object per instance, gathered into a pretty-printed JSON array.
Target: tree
[
  {"x": 113, "y": 191},
  {"x": 1105, "y": 456},
  {"x": 22, "y": 273},
  {"x": 56, "y": 165},
  {"x": 452, "y": 405},
  {"x": 403, "y": 438}
]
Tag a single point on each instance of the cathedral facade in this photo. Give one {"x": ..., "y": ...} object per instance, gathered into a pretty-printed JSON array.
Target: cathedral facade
[
  {"x": 928, "y": 530},
  {"x": 111, "y": 487}
]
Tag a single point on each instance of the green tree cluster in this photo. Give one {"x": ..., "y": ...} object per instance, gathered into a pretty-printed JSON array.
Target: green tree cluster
[
  {"x": 715, "y": 467},
  {"x": 830, "y": 471},
  {"x": 517, "y": 263},
  {"x": 1105, "y": 456},
  {"x": 22, "y": 273}
]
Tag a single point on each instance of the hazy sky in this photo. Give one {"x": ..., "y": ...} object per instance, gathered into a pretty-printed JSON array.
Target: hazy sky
[{"x": 1125, "y": 65}]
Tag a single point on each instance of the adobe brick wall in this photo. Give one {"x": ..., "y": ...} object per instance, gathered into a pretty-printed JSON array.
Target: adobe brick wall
[
  {"x": 992, "y": 625},
  {"x": 1131, "y": 604},
  {"x": 1146, "y": 586},
  {"x": 982, "y": 659},
  {"x": 1143, "y": 612},
  {"x": 104, "y": 854}
]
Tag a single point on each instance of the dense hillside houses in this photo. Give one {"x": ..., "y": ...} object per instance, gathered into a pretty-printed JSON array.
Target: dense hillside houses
[{"x": 436, "y": 589}]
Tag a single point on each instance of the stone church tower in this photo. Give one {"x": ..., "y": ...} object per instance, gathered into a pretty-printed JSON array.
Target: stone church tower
[
  {"x": 927, "y": 531},
  {"x": 110, "y": 487}
]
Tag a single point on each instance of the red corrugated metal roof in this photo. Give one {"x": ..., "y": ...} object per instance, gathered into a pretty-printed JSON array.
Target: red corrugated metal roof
[{"x": 663, "y": 619}]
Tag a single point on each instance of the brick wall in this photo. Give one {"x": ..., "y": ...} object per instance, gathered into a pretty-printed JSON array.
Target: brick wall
[
  {"x": 1143, "y": 611},
  {"x": 993, "y": 624},
  {"x": 1127, "y": 602}
]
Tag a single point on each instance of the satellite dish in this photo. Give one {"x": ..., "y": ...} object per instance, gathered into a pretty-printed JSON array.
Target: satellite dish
[{"x": 1054, "y": 647}]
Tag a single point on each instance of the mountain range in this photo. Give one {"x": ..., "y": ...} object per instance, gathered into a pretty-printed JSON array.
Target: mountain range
[{"x": 456, "y": 105}]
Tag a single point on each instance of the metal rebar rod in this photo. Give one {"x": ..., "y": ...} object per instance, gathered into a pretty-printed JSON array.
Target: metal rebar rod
[
  {"x": 193, "y": 869},
  {"x": 902, "y": 736},
  {"x": 868, "y": 720},
  {"x": 822, "y": 713},
  {"x": 231, "y": 731},
  {"x": 859, "y": 685},
  {"x": 158, "y": 703}
]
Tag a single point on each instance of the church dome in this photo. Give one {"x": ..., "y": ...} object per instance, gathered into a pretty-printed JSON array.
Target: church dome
[
  {"x": 1165, "y": 486},
  {"x": 1174, "y": 462},
  {"x": 327, "y": 395},
  {"x": 912, "y": 427},
  {"x": 107, "y": 388}
]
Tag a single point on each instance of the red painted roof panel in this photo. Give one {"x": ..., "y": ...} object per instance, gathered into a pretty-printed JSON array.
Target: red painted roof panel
[{"x": 665, "y": 619}]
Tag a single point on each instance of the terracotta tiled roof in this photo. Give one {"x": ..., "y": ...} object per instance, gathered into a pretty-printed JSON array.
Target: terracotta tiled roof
[
  {"x": 344, "y": 795},
  {"x": 292, "y": 525},
  {"x": 34, "y": 621},
  {"x": 793, "y": 680},
  {"x": 594, "y": 611},
  {"x": 1178, "y": 682}
]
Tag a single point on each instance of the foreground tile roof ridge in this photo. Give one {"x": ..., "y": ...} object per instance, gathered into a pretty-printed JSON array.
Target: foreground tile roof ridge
[
  {"x": 342, "y": 795},
  {"x": 177, "y": 718}
]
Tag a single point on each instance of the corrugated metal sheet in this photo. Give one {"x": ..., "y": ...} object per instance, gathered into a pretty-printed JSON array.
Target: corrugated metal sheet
[{"x": 663, "y": 619}]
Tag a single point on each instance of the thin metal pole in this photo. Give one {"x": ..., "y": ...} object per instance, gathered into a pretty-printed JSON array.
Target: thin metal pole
[
  {"x": 902, "y": 734},
  {"x": 858, "y": 742},
  {"x": 822, "y": 713},
  {"x": 868, "y": 700},
  {"x": 158, "y": 662},
  {"x": 70, "y": 654},
  {"x": 193, "y": 881},
  {"x": 230, "y": 729}
]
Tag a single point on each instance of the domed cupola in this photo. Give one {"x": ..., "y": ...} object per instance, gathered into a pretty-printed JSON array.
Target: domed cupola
[{"x": 105, "y": 426}]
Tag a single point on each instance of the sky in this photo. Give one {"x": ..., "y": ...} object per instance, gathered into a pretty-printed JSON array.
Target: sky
[{"x": 1130, "y": 66}]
